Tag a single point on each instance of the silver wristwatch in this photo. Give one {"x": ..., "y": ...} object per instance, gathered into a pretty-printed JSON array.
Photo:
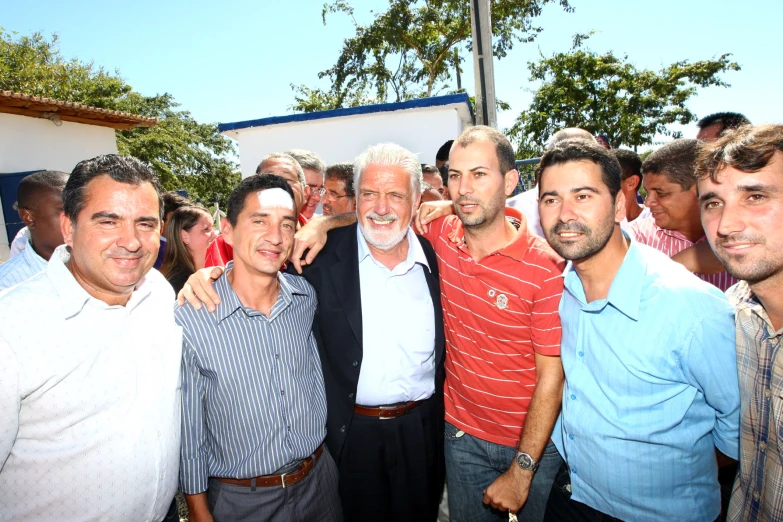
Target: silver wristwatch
[{"x": 526, "y": 462}]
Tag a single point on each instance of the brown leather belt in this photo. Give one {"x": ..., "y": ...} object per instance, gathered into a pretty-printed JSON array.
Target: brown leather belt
[
  {"x": 285, "y": 480},
  {"x": 386, "y": 412}
]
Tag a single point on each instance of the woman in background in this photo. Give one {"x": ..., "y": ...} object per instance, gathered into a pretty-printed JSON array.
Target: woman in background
[{"x": 189, "y": 231}]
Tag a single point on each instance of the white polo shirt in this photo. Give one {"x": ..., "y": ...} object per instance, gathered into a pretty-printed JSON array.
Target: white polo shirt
[{"x": 89, "y": 400}]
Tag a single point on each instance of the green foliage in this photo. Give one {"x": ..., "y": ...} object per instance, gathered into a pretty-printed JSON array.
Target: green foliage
[
  {"x": 605, "y": 94},
  {"x": 407, "y": 52},
  {"x": 185, "y": 154}
]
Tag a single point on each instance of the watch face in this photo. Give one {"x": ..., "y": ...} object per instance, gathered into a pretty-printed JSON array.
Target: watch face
[{"x": 525, "y": 461}]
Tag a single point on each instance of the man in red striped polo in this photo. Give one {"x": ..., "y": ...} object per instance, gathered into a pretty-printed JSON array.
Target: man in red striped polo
[{"x": 500, "y": 286}]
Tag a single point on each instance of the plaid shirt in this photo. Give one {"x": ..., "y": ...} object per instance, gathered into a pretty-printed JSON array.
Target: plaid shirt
[{"x": 758, "y": 494}]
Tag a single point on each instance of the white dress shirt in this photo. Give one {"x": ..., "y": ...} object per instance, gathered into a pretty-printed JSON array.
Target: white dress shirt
[
  {"x": 20, "y": 242},
  {"x": 398, "y": 328},
  {"x": 527, "y": 204},
  {"x": 89, "y": 400},
  {"x": 21, "y": 268}
]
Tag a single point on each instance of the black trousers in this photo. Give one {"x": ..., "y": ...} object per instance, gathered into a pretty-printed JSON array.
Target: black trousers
[
  {"x": 561, "y": 508},
  {"x": 393, "y": 470}
]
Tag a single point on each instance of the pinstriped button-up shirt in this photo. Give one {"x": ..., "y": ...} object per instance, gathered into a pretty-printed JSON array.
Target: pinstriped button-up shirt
[
  {"x": 252, "y": 387},
  {"x": 21, "y": 268}
]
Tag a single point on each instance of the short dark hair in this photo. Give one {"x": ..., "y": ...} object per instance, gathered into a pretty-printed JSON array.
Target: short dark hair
[
  {"x": 630, "y": 164},
  {"x": 727, "y": 120},
  {"x": 342, "y": 172},
  {"x": 122, "y": 169},
  {"x": 676, "y": 160},
  {"x": 259, "y": 182},
  {"x": 429, "y": 169},
  {"x": 35, "y": 184},
  {"x": 503, "y": 148},
  {"x": 443, "y": 151},
  {"x": 579, "y": 149},
  {"x": 748, "y": 149},
  {"x": 444, "y": 172},
  {"x": 172, "y": 200}
]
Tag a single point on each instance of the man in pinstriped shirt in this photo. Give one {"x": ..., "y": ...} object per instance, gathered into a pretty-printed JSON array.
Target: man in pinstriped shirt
[
  {"x": 39, "y": 202},
  {"x": 674, "y": 223},
  {"x": 254, "y": 405}
]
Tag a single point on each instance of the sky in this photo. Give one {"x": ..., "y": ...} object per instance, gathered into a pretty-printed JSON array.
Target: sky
[{"x": 235, "y": 60}]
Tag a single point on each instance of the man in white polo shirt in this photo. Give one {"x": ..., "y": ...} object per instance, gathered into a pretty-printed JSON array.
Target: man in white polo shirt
[{"x": 90, "y": 360}]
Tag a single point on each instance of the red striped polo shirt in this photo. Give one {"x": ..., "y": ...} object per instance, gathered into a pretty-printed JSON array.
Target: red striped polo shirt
[
  {"x": 671, "y": 242},
  {"x": 498, "y": 313}
]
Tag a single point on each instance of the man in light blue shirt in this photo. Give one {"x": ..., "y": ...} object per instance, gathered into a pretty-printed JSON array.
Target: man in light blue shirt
[
  {"x": 40, "y": 203},
  {"x": 648, "y": 352}
]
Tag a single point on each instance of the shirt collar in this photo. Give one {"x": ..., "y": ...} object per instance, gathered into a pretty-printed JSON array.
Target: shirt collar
[
  {"x": 517, "y": 249},
  {"x": 625, "y": 293},
  {"x": 673, "y": 233},
  {"x": 230, "y": 303},
  {"x": 73, "y": 296},
  {"x": 33, "y": 259},
  {"x": 742, "y": 297},
  {"x": 415, "y": 252}
]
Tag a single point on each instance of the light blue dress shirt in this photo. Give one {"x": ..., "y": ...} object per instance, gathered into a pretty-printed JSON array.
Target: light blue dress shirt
[
  {"x": 651, "y": 389},
  {"x": 398, "y": 328},
  {"x": 21, "y": 267}
]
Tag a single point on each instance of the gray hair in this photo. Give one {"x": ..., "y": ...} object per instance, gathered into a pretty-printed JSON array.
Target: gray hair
[
  {"x": 308, "y": 160},
  {"x": 389, "y": 154},
  {"x": 283, "y": 155}
]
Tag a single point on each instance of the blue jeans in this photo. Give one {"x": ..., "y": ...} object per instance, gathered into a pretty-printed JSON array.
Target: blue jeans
[{"x": 473, "y": 464}]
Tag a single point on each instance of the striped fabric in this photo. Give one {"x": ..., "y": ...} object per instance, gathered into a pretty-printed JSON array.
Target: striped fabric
[
  {"x": 252, "y": 386},
  {"x": 21, "y": 268},
  {"x": 671, "y": 242},
  {"x": 758, "y": 494},
  {"x": 498, "y": 313}
]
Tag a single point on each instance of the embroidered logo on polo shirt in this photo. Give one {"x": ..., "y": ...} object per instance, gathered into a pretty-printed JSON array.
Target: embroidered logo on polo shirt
[{"x": 502, "y": 301}]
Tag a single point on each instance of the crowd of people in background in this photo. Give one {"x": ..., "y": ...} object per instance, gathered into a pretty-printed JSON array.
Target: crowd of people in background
[{"x": 602, "y": 346}]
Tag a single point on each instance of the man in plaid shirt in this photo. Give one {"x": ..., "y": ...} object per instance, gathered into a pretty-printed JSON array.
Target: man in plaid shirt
[{"x": 741, "y": 199}]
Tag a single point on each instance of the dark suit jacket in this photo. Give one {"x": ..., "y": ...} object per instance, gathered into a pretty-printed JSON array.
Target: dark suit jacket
[{"x": 338, "y": 328}]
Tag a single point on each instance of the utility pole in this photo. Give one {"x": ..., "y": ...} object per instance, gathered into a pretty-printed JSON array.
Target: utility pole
[{"x": 484, "y": 71}]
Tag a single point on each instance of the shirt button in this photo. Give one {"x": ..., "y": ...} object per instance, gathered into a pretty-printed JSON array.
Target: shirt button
[
  {"x": 355, "y": 364},
  {"x": 573, "y": 397},
  {"x": 282, "y": 392},
  {"x": 159, "y": 434},
  {"x": 350, "y": 395},
  {"x": 277, "y": 356},
  {"x": 573, "y": 470},
  {"x": 763, "y": 446},
  {"x": 342, "y": 429},
  {"x": 581, "y": 354},
  {"x": 767, "y": 393},
  {"x": 571, "y": 437},
  {"x": 756, "y": 495}
]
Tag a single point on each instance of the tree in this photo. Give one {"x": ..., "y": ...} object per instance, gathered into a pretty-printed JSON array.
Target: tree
[
  {"x": 410, "y": 50},
  {"x": 606, "y": 94},
  {"x": 185, "y": 154}
]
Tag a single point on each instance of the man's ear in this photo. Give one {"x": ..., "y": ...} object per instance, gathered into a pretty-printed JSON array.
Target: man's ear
[
  {"x": 510, "y": 181},
  {"x": 27, "y": 218},
  {"x": 619, "y": 207},
  {"x": 227, "y": 231},
  {"x": 67, "y": 228}
]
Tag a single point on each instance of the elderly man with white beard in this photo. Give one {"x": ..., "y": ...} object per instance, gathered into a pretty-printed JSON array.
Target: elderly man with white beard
[{"x": 379, "y": 328}]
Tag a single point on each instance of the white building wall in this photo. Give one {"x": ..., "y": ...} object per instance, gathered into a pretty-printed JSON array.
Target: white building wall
[
  {"x": 341, "y": 139},
  {"x": 28, "y": 143}
]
